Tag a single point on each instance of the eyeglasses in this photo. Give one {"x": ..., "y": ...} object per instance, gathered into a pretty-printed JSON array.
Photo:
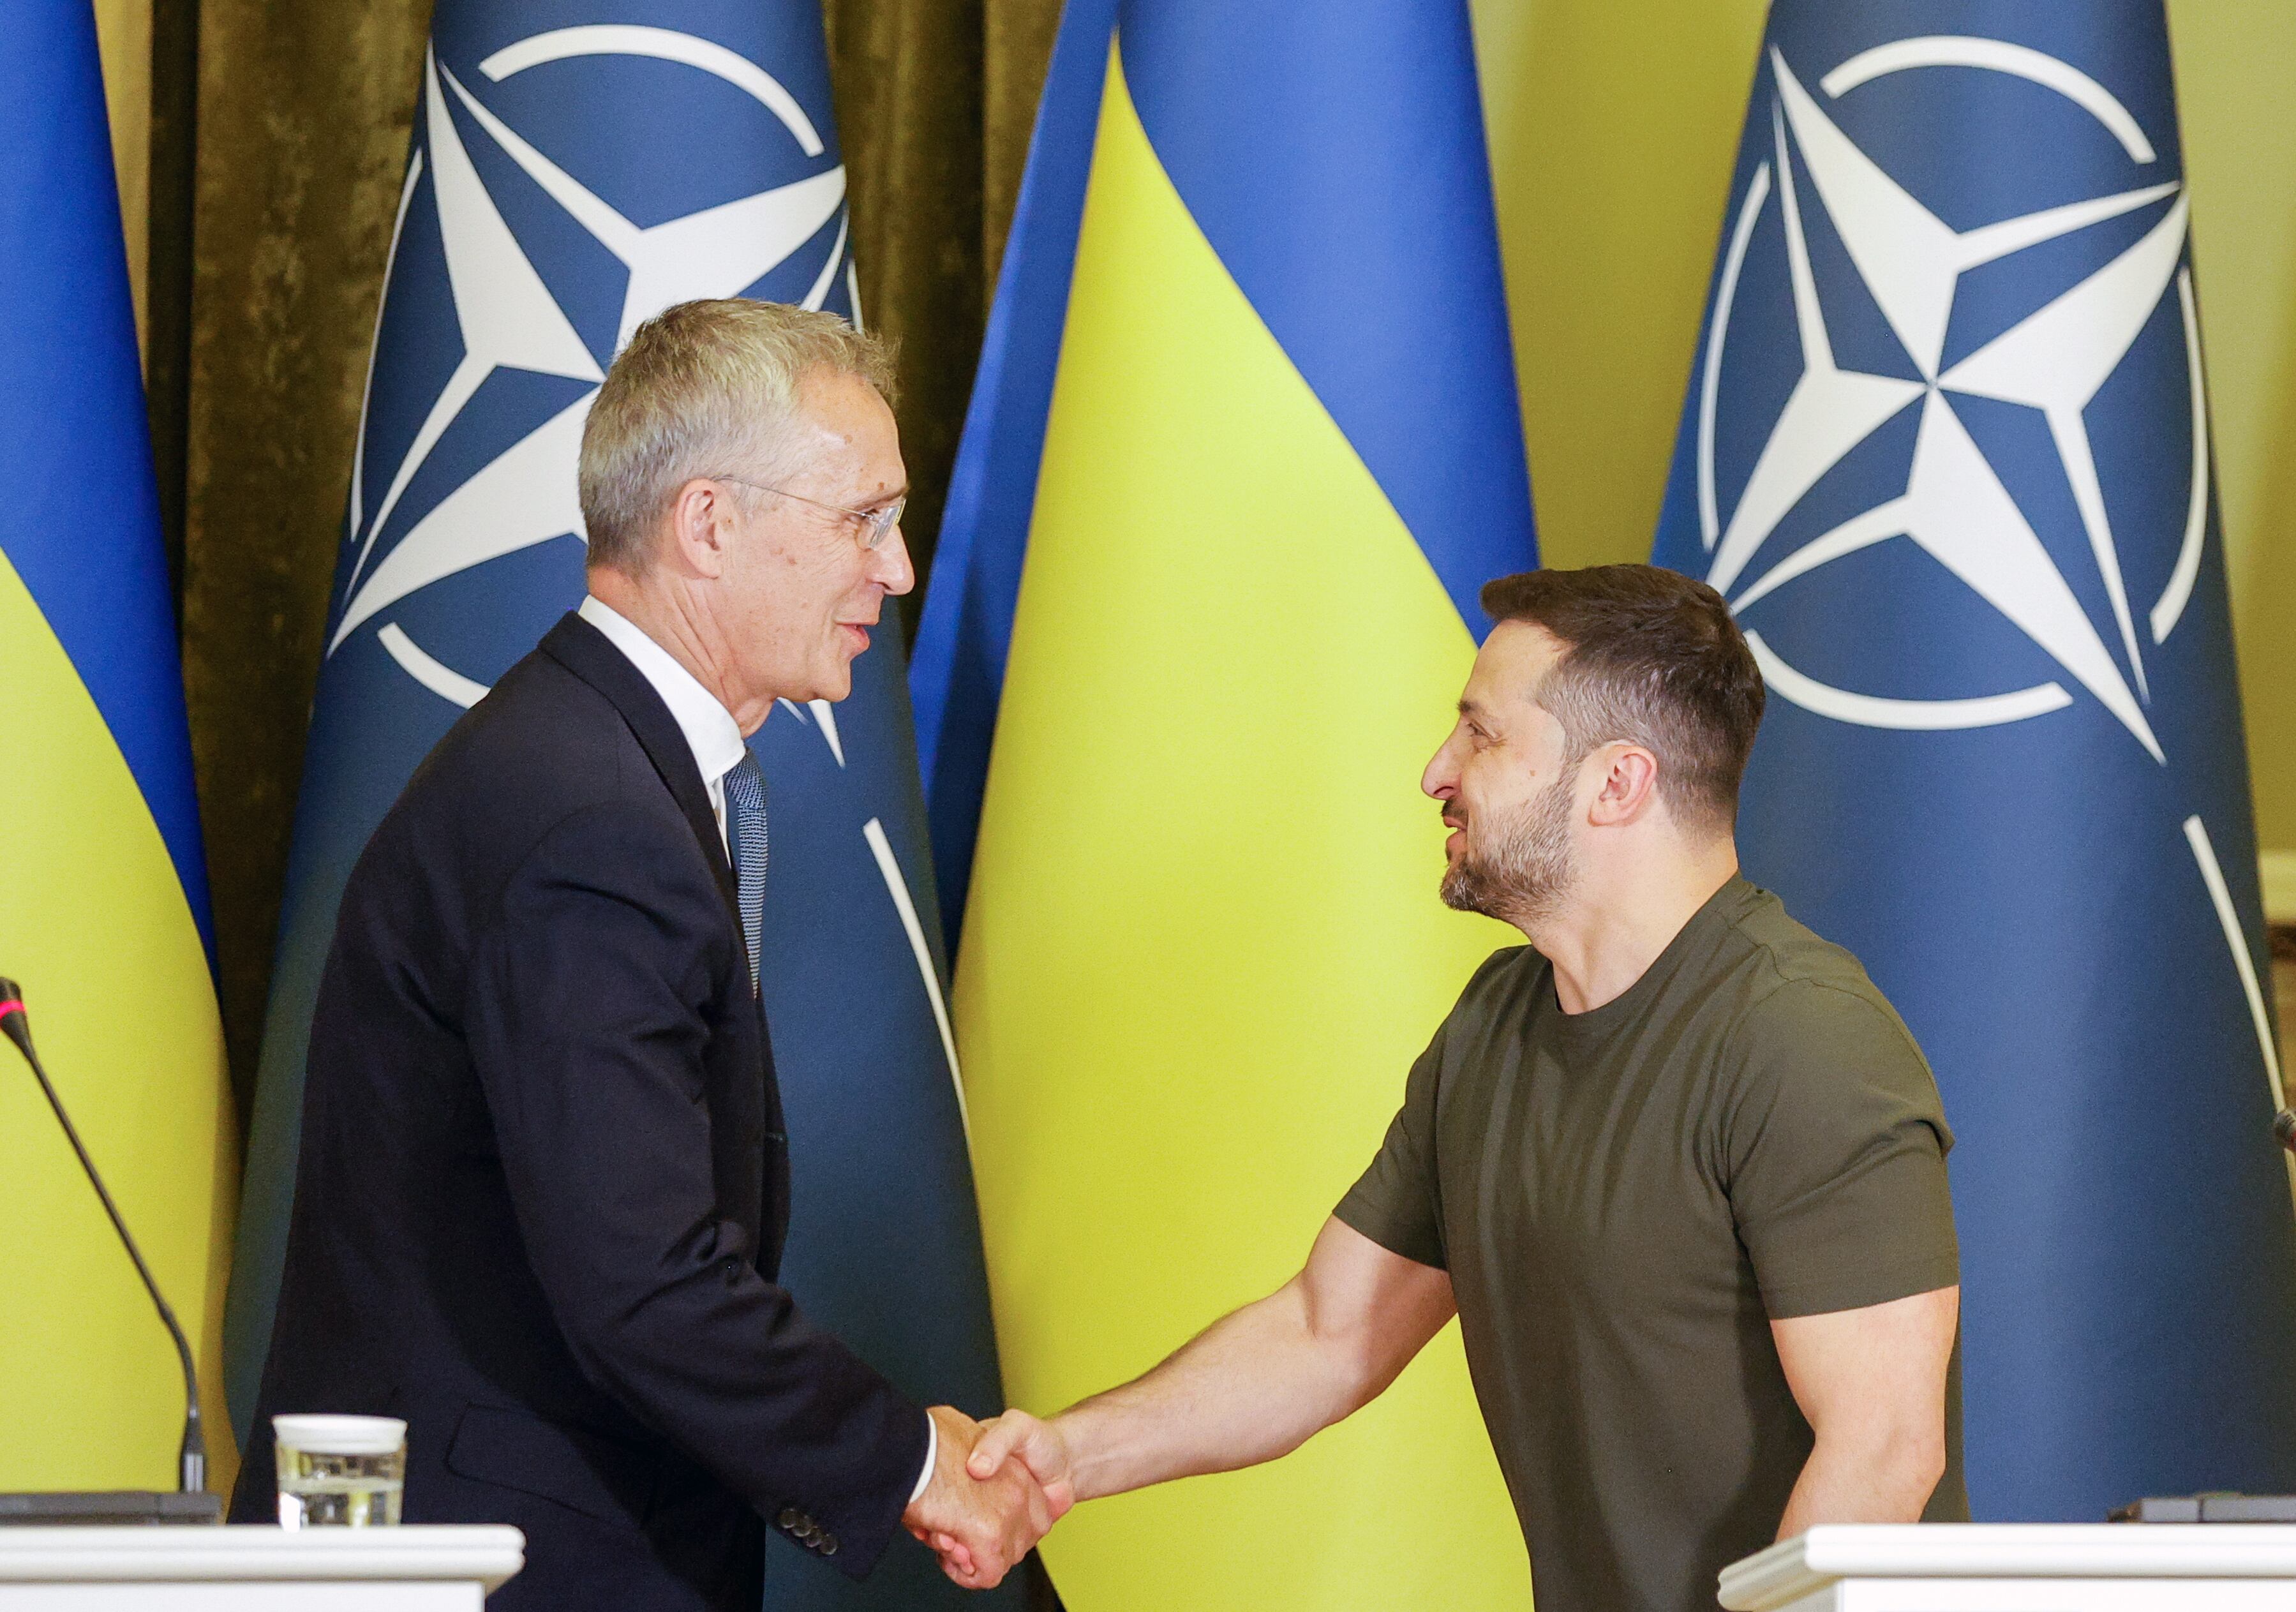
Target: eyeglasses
[{"x": 875, "y": 522}]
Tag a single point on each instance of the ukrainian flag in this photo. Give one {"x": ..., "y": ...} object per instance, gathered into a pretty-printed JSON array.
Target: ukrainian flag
[
  {"x": 1244, "y": 444},
  {"x": 103, "y": 905}
]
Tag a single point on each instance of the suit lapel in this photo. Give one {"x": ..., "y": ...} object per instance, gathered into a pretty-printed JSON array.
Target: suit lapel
[{"x": 590, "y": 655}]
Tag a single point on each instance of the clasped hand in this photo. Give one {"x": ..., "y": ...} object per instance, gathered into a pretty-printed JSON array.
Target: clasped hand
[{"x": 980, "y": 1516}]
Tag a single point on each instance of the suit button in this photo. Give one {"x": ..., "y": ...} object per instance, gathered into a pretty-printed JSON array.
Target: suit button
[
  {"x": 829, "y": 1544},
  {"x": 790, "y": 1519}
]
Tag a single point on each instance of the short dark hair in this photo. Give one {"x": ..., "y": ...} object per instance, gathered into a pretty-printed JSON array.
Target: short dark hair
[{"x": 1654, "y": 658}]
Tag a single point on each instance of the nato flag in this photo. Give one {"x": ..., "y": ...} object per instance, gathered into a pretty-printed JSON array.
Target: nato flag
[
  {"x": 577, "y": 168},
  {"x": 1946, "y": 453}
]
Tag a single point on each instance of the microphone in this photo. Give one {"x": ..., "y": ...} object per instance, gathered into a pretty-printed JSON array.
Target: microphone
[
  {"x": 2283, "y": 1127},
  {"x": 191, "y": 1465}
]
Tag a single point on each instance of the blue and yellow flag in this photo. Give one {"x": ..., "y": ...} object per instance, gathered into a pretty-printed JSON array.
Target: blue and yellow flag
[
  {"x": 1946, "y": 452},
  {"x": 103, "y": 905},
  {"x": 1244, "y": 444}
]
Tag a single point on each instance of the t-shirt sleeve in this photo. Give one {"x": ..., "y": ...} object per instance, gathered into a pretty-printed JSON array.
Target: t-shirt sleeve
[
  {"x": 1833, "y": 1146},
  {"x": 1395, "y": 1203}
]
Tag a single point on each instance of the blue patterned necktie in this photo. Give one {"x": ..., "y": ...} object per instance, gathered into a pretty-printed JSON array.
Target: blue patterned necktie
[{"x": 745, "y": 820}]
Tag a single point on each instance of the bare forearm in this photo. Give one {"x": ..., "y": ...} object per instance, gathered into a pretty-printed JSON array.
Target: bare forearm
[
  {"x": 1254, "y": 1385},
  {"x": 1870, "y": 1478}
]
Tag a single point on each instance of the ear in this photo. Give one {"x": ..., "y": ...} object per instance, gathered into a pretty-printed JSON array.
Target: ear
[
  {"x": 700, "y": 529},
  {"x": 1628, "y": 791}
]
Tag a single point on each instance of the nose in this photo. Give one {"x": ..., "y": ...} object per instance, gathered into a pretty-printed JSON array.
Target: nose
[
  {"x": 1440, "y": 781},
  {"x": 890, "y": 566}
]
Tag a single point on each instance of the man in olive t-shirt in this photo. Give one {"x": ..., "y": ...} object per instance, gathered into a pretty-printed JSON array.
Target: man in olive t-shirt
[
  {"x": 1676, "y": 1167},
  {"x": 1627, "y": 1197}
]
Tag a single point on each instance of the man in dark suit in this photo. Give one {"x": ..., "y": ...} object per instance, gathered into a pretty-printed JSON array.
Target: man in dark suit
[{"x": 543, "y": 1182}]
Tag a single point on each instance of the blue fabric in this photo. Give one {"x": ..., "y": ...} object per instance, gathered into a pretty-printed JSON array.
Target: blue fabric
[
  {"x": 79, "y": 510},
  {"x": 885, "y": 1248},
  {"x": 1335, "y": 157},
  {"x": 2026, "y": 891},
  {"x": 956, "y": 669},
  {"x": 745, "y": 833}
]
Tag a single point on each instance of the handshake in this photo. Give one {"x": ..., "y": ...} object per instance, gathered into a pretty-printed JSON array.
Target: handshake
[
  {"x": 1253, "y": 1385},
  {"x": 996, "y": 1488}
]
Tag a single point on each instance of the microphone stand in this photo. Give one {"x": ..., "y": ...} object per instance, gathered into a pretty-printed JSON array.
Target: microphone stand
[{"x": 191, "y": 1459}]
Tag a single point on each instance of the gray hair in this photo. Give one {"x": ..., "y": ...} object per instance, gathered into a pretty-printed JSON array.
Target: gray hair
[{"x": 704, "y": 388}]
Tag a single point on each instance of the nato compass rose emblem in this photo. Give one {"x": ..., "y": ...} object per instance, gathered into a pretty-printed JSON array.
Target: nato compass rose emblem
[
  {"x": 530, "y": 280},
  {"x": 1953, "y": 502},
  {"x": 1919, "y": 414}
]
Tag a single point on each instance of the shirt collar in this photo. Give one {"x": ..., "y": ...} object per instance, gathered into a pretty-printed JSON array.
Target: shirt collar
[{"x": 709, "y": 728}]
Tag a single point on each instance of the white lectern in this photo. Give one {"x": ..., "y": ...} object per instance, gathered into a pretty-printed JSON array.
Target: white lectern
[
  {"x": 255, "y": 1569},
  {"x": 2022, "y": 1568}
]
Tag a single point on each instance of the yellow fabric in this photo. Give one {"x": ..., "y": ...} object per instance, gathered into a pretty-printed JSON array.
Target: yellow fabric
[
  {"x": 1203, "y": 942},
  {"x": 94, "y": 926}
]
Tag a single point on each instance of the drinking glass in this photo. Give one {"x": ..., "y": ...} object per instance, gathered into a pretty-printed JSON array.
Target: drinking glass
[{"x": 340, "y": 1471}]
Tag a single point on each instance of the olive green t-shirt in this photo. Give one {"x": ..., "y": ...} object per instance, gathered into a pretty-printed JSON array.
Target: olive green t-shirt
[{"x": 1625, "y": 1198}]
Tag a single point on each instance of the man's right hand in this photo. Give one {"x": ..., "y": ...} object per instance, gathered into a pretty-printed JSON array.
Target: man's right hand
[
  {"x": 1040, "y": 1446},
  {"x": 981, "y": 1529}
]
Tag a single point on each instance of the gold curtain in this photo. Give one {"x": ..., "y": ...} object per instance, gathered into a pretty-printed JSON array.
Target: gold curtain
[{"x": 304, "y": 115}]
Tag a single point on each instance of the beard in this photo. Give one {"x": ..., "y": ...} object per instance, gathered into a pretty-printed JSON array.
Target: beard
[{"x": 1529, "y": 869}]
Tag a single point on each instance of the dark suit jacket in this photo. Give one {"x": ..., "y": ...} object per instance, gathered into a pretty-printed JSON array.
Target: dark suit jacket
[{"x": 544, "y": 1183}]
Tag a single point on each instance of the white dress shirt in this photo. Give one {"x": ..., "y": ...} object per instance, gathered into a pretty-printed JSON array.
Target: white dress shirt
[
  {"x": 709, "y": 728},
  {"x": 717, "y": 746}
]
